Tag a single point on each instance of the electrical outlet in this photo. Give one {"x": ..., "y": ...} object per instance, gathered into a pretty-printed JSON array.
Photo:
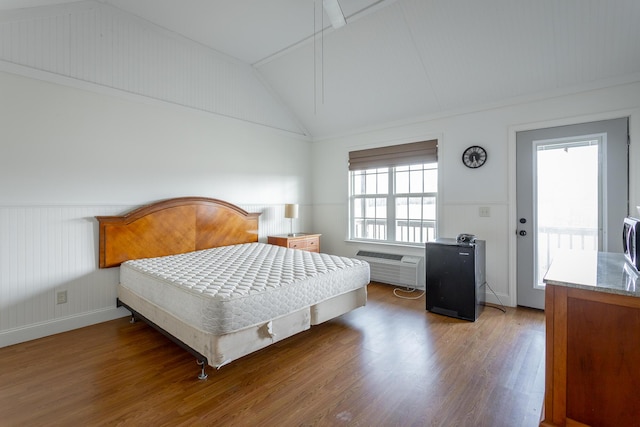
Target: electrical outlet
[
  {"x": 484, "y": 211},
  {"x": 61, "y": 297}
]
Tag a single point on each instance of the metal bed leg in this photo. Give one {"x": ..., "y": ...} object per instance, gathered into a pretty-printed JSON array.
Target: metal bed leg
[
  {"x": 203, "y": 374},
  {"x": 202, "y": 360}
]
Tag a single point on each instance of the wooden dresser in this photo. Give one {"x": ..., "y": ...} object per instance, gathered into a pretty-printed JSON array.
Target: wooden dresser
[
  {"x": 304, "y": 241},
  {"x": 592, "y": 308}
]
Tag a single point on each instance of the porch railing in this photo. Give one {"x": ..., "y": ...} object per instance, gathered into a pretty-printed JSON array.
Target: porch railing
[
  {"x": 552, "y": 239},
  {"x": 406, "y": 230}
]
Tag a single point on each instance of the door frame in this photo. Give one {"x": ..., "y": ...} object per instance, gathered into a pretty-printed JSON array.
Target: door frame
[{"x": 634, "y": 175}]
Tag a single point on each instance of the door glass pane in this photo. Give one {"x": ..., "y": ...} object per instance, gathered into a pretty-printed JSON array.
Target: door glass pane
[{"x": 567, "y": 195}]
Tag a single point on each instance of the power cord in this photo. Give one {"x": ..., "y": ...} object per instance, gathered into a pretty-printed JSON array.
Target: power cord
[
  {"x": 503, "y": 309},
  {"x": 397, "y": 291}
]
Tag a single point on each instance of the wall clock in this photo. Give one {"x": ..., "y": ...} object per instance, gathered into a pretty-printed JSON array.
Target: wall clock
[{"x": 474, "y": 156}]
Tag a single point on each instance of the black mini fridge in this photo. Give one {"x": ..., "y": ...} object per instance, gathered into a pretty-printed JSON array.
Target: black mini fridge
[{"x": 455, "y": 278}]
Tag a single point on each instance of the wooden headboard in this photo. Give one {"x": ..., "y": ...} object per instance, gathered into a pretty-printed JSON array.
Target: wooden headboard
[{"x": 174, "y": 226}]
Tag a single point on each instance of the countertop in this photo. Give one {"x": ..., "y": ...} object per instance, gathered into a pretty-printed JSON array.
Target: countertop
[{"x": 596, "y": 271}]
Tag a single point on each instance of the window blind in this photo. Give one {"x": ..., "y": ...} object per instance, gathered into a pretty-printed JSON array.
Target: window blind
[{"x": 394, "y": 155}]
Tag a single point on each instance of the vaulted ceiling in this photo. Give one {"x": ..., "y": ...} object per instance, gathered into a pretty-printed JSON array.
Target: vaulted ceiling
[{"x": 398, "y": 60}]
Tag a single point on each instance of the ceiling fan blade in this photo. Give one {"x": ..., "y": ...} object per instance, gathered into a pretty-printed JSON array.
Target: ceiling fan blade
[{"x": 334, "y": 11}]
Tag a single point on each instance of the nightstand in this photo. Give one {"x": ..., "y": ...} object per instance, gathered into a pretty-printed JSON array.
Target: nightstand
[{"x": 303, "y": 241}]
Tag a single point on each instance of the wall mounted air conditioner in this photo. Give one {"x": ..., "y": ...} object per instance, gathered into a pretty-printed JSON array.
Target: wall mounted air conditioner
[{"x": 394, "y": 269}]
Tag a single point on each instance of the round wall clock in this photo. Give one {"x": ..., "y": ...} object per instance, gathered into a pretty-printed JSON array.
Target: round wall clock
[{"x": 474, "y": 156}]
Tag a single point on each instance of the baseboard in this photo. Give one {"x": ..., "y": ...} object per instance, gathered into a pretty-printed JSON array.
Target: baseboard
[
  {"x": 500, "y": 299},
  {"x": 40, "y": 330}
]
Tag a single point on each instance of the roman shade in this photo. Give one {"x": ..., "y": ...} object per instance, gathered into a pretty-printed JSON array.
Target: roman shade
[{"x": 394, "y": 155}]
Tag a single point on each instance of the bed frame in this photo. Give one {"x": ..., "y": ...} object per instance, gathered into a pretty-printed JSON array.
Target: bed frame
[{"x": 187, "y": 224}]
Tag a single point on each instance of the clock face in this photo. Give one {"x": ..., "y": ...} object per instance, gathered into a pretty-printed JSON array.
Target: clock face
[{"x": 474, "y": 156}]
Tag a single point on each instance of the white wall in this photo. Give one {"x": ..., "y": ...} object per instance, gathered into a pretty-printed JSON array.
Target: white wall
[
  {"x": 463, "y": 190},
  {"x": 69, "y": 154}
]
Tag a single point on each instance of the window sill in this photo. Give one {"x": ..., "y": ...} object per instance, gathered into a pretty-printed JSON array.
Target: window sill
[{"x": 389, "y": 244}]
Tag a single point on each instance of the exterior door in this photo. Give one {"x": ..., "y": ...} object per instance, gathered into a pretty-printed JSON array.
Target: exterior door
[{"x": 572, "y": 194}]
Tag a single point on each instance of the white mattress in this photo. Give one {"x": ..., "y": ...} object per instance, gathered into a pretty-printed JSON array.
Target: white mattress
[{"x": 226, "y": 289}]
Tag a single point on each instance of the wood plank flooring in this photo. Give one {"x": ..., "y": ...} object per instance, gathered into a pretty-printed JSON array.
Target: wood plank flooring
[{"x": 390, "y": 363}]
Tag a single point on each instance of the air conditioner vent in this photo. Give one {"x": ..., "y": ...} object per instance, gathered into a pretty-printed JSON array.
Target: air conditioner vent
[
  {"x": 394, "y": 269},
  {"x": 380, "y": 255}
]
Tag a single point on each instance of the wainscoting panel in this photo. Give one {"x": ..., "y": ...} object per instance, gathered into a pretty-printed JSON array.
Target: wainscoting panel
[{"x": 45, "y": 250}]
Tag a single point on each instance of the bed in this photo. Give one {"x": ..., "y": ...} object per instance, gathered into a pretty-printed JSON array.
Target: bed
[{"x": 193, "y": 268}]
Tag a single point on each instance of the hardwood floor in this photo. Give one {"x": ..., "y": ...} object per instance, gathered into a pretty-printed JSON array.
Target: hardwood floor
[{"x": 390, "y": 363}]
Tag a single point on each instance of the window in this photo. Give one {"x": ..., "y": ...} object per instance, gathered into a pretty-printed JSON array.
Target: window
[{"x": 393, "y": 193}]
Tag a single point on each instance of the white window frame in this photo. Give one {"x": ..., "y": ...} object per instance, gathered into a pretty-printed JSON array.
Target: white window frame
[{"x": 389, "y": 222}]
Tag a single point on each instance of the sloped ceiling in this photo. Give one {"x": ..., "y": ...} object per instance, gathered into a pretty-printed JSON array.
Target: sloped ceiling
[{"x": 398, "y": 60}]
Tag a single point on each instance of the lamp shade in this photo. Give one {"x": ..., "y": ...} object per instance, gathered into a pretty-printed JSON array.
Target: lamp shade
[{"x": 291, "y": 211}]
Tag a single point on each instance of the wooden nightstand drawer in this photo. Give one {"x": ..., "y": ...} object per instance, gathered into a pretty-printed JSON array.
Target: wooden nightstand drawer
[
  {"x": 309, "y": 244},
  {"x": 305, "y": 242}
]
